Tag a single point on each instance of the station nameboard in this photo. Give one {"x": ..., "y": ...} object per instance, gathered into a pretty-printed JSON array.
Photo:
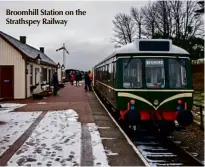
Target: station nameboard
[{"x": 154, "y": 46}]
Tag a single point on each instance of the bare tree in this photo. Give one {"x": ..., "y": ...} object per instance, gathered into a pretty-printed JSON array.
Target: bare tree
[
  {"x": 193, "y": 25},
  {"x": 163, "y": 18},
  {"x": 200, "y": 11},
  {"x": 138, "y": 20},
  {"x": 172, "y": 19},
  {"x": 148, "y": 13},
  {"x": 186, "y": 23},
  {"x": 176, "y": 12},
  {"x": 124, "y": 29}
]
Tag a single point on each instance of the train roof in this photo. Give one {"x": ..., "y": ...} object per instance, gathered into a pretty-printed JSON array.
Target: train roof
[{"x": 148, "y": 46}]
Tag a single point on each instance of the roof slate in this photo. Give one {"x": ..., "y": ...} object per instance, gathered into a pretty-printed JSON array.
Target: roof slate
[{"x": 29, "y": 51}]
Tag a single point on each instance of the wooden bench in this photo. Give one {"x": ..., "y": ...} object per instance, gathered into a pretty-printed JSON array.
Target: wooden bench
[{"x": 40, "y": 95}]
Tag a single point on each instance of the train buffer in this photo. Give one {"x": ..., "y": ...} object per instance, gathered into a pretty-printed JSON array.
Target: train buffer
[{"x": 69, "y": 129}]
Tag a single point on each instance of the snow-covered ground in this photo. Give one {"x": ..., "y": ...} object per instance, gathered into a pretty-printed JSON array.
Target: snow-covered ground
[
  {"x": 99, "y": 154},
  {"x": 57, "y": 141},
  {"x": 15, "y": 124},
  {"x": 8, "y": 107}
]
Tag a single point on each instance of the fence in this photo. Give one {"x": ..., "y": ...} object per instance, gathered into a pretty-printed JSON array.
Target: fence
[
  {"x": 198, "y": 108},
  {"x": 198, "y": 76},
  {"x": 198, "y": 111}
]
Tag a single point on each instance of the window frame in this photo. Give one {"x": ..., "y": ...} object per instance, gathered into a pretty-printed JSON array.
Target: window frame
[
  {"x": 31, "y": 75},
  {"x": 181, "y": 74},
  {"x": 36, "y": 74},
  {"x": 164, "y": 71},
  {"x": 140, "y": 77}
]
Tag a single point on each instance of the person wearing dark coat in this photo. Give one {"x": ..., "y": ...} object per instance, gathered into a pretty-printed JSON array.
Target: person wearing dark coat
[
  {"x": 77, "y": 78},
  {"x": 55, "y": 83},
  {"x": 87, "y": 82}
]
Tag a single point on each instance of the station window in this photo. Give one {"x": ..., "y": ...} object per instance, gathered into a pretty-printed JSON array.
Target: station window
[
  {"x": 155, "y": 75},
  {"x": 37, "y": 76},
  {"x": 132, "y": 73},
  {"x": 31, "y": 74},
  {"x": 177, "y": 73},
  {"x": 43, "y": 74}
]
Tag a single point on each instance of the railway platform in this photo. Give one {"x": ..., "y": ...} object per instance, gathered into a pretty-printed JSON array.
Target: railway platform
[{"x": 72, "y": 129}]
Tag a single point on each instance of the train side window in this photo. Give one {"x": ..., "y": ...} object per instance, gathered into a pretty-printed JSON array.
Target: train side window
[
  {"x": 177, "y": 74},
  {"x": 107, "y": 73},
  {"x": 110, "y": 74},
  {"x": 132, "y": 74}
]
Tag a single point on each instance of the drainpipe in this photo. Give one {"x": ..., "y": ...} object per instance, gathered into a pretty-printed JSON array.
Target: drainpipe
[{"x": 26, "y": 71}]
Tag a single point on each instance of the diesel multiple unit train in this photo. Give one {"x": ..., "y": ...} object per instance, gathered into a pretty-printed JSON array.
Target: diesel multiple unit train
[{"x": 147, "y": 82}]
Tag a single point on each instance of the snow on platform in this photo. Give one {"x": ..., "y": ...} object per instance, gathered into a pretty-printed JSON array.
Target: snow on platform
[
  {"x": 15, "y": 124},
  {"x": 55, "y": 141},
  {"x": 99, "y": 153},
  {"x": 8, "y": 107}
]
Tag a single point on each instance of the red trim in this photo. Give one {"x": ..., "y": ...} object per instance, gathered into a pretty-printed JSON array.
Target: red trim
[
  {"x": 122, "y": 114},
  {"x": 128, "y": 106},
  {"x": 144, "y": 115},
  {"x": 167, "y": 115},
  {"x": 171, "y": 116},
  {"x": 185, "y": 106}
]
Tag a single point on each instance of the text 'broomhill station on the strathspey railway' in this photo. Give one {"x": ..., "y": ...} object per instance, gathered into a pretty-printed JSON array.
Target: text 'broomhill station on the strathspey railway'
[{"x": 35, "y": 12}]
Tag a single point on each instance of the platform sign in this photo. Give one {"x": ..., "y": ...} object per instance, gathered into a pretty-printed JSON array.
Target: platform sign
[{"x": 154, "y": 46}]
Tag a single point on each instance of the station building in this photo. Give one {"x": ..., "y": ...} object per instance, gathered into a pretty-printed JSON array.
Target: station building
[{"x": 24, "y": 70}]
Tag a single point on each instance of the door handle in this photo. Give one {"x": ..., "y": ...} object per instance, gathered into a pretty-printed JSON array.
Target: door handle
[{"x": 6, "y": 81}]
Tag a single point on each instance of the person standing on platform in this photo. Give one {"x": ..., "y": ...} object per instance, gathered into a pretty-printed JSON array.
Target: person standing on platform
[
  {"x": 91, "y": 79},
  {"x": 72, "y": 78},
  {"x": 87, "y": 82},
  {"x": 55, "y": 83},
  {"x": 77, "y": 78}
]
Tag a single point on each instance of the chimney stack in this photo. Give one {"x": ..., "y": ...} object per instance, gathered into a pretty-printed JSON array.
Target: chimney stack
[
  {"x": 23, "y": 39},
  {"x": 42, "y": 49}
]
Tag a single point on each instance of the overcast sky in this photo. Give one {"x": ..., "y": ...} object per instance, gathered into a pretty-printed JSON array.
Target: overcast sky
[{"x": 87, "y": 38}]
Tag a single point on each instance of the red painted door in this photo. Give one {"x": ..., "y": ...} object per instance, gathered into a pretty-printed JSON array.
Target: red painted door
[{"x": 6, "y": 82}]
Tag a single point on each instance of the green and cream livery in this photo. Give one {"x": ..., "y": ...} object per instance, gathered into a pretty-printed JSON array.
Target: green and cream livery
[
  {"x": 155, "y": 104},
  {"x": 152, "y": 72}
]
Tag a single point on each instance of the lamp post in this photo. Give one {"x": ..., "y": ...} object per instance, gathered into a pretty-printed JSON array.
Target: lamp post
[
  {"x": 64, "y": 49},
  {"x": 38, "y": 59},
  {"x": 63, "y": 67}
]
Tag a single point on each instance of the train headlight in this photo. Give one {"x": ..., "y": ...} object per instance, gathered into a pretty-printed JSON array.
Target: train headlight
[
  {"x": 132, "y": 104},
  {"x": 179, "y": 102},
  {"x": 132, "y": 101},
  {"x": 156, "y": 102}
]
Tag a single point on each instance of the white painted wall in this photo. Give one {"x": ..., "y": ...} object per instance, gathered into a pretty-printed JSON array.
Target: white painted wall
[
  {"x": 59, "y": 75},
  {"x": 10, "y": 56}
]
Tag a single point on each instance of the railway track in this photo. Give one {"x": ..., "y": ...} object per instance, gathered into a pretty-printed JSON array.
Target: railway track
[{"x": 155, "y": 149}]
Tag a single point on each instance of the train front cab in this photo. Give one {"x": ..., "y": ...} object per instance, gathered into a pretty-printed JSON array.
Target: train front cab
[{"x": 159, "y": 89}]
